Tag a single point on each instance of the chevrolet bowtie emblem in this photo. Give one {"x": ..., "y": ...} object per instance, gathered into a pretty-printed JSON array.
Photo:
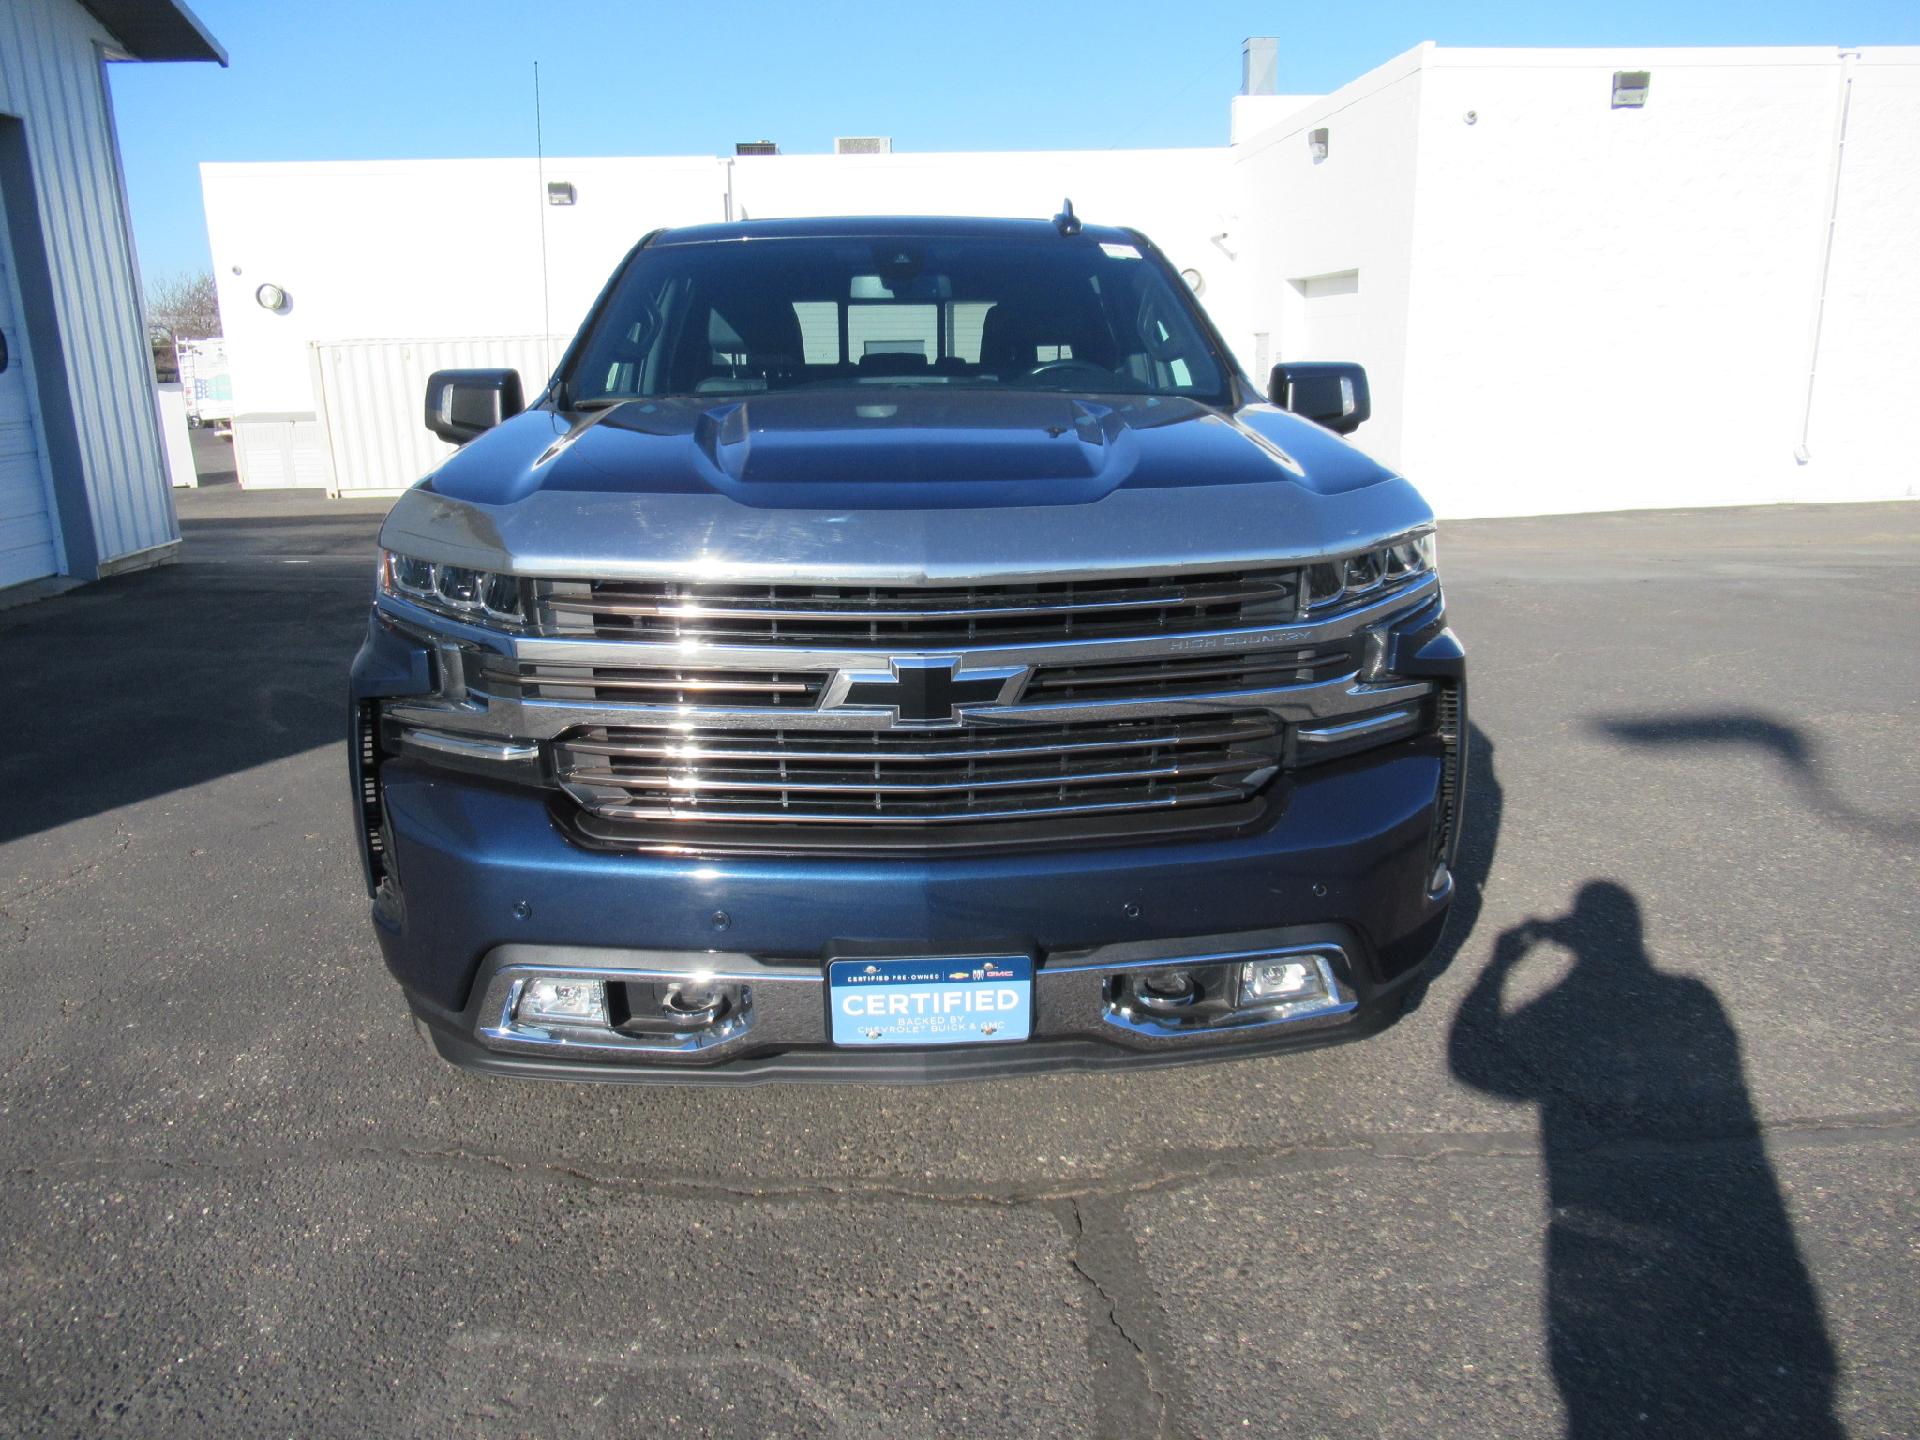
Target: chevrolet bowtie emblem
[{"x": 926, "y": 690}]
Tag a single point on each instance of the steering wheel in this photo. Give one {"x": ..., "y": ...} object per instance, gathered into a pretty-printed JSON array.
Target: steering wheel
[{"x": 1048, "y": 367}]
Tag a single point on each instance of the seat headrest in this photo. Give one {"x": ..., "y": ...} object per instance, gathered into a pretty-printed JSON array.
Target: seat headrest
[
  {"x": 1014, "y": 330},
  {"x": 893, "y": 362},
  {"x": 760, "y": 331}
]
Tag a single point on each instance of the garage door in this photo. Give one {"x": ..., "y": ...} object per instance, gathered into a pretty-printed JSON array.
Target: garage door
[{"x": 26, "y": 525}]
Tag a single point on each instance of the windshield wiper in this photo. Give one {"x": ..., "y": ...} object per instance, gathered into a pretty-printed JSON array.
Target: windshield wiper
[{"x": 605, "y": 402}]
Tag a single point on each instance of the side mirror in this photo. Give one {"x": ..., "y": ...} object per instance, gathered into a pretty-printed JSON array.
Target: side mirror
[
  {"x": 463, "y": 403},
  {"x": 1333, "y": 392}
]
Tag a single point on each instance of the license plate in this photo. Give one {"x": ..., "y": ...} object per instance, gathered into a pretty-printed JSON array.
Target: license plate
[{"x": 961, "y": 1001}]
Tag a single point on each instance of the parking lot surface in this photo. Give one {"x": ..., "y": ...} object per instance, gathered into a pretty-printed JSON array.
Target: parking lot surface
[{"x": 1643, "y": 1160}]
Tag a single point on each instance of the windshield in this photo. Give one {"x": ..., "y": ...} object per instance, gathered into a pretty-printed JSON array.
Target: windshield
[{"x": 741, "y": 317}]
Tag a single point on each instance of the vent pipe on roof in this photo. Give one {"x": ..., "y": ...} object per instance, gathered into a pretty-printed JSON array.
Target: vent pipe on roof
[{"x": 1260, "y": 65}]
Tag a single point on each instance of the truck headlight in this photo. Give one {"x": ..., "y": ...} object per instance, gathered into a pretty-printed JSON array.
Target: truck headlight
[
  {"x": 1414, "y": 555},
  {"x": 1367, "y": 573},
  {"x": 456, "y": 590}
]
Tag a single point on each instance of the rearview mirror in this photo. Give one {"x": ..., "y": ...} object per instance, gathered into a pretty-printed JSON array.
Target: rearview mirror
[
  {"x": 1332, "y": 392},
  {"x": 464, "y": 403}
]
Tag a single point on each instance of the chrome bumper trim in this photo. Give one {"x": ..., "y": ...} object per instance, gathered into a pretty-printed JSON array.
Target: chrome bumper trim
[
  {"x": 471, "y": 747},
  {"x": 786, "y": 1005}
]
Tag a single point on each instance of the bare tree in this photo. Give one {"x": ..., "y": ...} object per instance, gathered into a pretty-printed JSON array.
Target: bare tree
[{"x": 185, "y": 305}]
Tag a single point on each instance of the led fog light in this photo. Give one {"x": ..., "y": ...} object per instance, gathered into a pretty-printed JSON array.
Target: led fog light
[
  {"x": 562, "y": 1002},
  {"x": 1288, "y": 984}
]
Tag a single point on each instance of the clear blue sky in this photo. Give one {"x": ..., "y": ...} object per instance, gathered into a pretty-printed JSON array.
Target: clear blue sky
[{"x": 349, "y": 79}]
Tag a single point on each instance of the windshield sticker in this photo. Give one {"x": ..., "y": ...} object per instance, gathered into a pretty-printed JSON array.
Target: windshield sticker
[{"x": 1121, "y": 252}]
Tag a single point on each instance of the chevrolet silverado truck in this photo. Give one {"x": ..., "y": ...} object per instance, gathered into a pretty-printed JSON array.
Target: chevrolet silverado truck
[{"x": 903, "y": 650}]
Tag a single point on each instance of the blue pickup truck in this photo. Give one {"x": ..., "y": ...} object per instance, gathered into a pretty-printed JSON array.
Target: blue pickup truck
[{"x": 903, "y": 650}]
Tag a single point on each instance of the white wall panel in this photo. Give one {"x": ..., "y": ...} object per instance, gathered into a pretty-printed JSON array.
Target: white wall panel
[
  {"x": 373, "y": 400},
  {"x": 423, "y": 249},
  {"x": 29, "y": 540},
  {"x": 1864, "y": 437},
  {"x": 1611, "y": 308},
  {"x": 1300, "y": 221},
  {"x": 50, "y": 77}
]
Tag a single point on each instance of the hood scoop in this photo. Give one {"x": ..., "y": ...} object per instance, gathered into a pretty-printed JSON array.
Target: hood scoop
[{"x": 910, "y": 439}]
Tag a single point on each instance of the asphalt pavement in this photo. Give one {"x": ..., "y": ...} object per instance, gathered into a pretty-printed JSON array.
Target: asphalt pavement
[{"x": 1643, "y": 1161}]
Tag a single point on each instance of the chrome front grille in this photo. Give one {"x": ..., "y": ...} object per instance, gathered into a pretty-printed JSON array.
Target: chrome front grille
[
  {"x": 1174, "y": 677},
  {"x": 898, "y": 617},
  {"x": 889, "y": 777},
  {"x": 671, "y": 685},
  {"x": 1215, "y": 673},
  {"x": 726, "y": 717}
]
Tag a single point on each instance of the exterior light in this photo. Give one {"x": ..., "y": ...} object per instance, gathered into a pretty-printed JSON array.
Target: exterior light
[
  {"x": 1289, "y": 986},
  {"x": 560, "y": 192},
  {"x": 562, "y": 1002},
  {"x": 477, "y": 596},
  {"x": 1279, "y": 979},
  {"x": 1332, "y": 582},
  {"x": 1317, "y": 144},
  {"x": 1630, "y": 89},
  {"x": 271, "y": 297},
  {"x": 1196, "y": 282}
]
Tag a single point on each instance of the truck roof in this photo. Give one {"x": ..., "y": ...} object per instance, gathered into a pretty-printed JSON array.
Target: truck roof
[{"x": 839, "y": 227}]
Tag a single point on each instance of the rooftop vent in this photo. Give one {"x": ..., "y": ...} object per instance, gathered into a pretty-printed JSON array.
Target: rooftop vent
[
  {"x": 755, "y": 147},
  {"x": 1630, "y": 89},
  {"x": 863, "y": 145},
  {"x": 1260, "y": 65}
]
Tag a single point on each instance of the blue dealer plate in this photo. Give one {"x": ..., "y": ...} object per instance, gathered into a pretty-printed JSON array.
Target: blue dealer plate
[{"x": 964, "y": 1001}]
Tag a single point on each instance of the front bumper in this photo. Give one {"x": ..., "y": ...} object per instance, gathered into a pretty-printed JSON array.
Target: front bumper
[{"x": 489, "y": 885}]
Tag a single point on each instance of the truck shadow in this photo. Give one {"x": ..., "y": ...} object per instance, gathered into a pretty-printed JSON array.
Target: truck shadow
[
  {"x": 1794, "y": 749},
  {"x": 1677, "y": 1302}
]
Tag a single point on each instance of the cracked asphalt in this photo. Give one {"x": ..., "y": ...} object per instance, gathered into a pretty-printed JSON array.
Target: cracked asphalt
[{"x": 1642, "y": 1161}]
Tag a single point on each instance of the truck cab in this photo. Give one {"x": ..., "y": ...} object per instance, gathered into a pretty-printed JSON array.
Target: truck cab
[{"x": 903, "y": 650}]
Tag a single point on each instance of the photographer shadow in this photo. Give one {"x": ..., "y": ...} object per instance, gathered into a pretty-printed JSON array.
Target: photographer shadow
[{"x": 1677, "y": 1300}]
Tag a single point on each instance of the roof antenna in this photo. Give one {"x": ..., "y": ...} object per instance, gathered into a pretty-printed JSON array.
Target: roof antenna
[
  {"x": 1066, "y": 222},
  {"x": 540, "y": 163}
]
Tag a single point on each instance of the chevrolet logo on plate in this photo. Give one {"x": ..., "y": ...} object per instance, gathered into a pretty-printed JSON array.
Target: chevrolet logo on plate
[{"x": 925, "y": 690}]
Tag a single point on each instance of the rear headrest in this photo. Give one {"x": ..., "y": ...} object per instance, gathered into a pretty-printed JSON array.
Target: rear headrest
[
  {"x": 893, "y": 362},
  {"x": 770, "y": 331},
  {"x": 1014, "y": 329}
]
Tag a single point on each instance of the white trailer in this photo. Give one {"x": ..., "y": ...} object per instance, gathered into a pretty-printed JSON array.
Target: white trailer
[{"x": 207, "y": 384}]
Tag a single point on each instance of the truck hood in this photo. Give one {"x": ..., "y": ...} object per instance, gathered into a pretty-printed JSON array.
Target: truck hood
[{"x": 897, "y": 485}]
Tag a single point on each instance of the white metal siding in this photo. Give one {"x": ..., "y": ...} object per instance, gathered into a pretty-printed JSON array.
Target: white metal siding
[
  {"x": 50, "y": 77},
  {"x": 373, "y": 397},
  {"x": 27, "y": 538},
  {"x": 275, "y": 453}
]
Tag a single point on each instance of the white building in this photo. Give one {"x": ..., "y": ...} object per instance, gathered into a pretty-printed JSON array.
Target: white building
[
  {"x": 83, "y": 477},
  {"x": 1580, "y": 279}
]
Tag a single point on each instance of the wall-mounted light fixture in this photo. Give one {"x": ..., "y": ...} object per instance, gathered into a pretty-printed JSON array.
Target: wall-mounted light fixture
[
  {"x": 1630, "y": 89},
  {"x": 560, "y": 192},
  {"x": 271, "y": 297},
  {"x": 1196, "y": 282},
  {"x": 1317, "y": 144}
]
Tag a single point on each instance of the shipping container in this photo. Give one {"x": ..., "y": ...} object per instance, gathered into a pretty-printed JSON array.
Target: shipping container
[{"x": 372, "y": 398}]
